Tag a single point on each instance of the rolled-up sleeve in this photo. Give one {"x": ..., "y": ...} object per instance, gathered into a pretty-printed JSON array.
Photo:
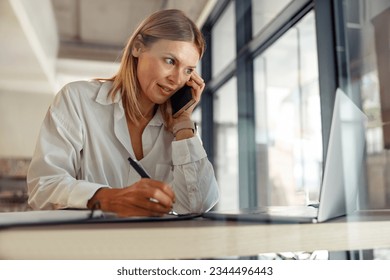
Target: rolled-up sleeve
[{"x": 194, "y": 180}]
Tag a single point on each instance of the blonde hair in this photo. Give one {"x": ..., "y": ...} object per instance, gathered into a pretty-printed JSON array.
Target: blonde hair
[{"x": 165, "y": 24}]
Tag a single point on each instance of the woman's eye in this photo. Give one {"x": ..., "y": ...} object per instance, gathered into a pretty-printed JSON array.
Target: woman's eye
[
  {"x": 189, "y": 71},
  {"x": 170, "y": 61}
]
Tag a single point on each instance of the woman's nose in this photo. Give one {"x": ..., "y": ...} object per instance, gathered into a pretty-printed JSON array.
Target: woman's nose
[{"x": 176, "y": 77}]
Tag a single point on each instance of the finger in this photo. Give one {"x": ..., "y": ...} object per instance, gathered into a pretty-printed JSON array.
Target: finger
[
  {"x": 148, "y": 183},
  {"x": 159, "y": 197},
  {"x": 159, "y": 189},
  {"x": 155, "y": 206},
  {"x": 196, "y": 84},
  {"x": 168, "y": 191},
  {"x": 139, "y": 200},
  {"x": 149, "y": 205},
  {"x": 197, "y": 78},
  {"x": 146, "y": 189}
]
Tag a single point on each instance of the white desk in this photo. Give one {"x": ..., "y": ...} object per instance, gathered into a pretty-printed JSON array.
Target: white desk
[{"x": 191, "y": 239}]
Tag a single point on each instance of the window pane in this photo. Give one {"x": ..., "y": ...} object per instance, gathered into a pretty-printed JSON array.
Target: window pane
[
  {"x": 366, "y": 32},
  {"x": 224, "y": 40},
  {"x": 288, "y": 119},
  {"x": 226, "y": 137},
  {"x": 264, "y": 11}
]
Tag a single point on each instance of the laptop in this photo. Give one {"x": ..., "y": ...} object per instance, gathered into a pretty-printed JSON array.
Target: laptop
[{"x": 341, "y": 176}]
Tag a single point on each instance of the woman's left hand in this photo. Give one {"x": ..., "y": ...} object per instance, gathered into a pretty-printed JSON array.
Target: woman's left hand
[{"x": 197, "y": 84}]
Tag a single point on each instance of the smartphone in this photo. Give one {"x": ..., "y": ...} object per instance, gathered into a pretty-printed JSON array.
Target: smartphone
[{"x": 181, "y": 100}]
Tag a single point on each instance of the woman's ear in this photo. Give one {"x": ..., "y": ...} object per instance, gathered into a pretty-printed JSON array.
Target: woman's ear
[
  {"x": 136, "y": 51},
  {"x": 138, "y": 46}
]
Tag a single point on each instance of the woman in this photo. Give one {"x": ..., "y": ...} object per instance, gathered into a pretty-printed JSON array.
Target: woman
[{"x": 93, "y": 127}]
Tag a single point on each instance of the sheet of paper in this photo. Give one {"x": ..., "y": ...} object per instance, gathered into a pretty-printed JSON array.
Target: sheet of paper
[{"x": 44, "y": 216}]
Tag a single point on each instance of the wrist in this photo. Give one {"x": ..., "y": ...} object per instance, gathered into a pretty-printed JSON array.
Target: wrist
[
  {"x": 184, "y": 134},
  {"x": 97, "y": 198},
  {"x": 186, "y": 127}
]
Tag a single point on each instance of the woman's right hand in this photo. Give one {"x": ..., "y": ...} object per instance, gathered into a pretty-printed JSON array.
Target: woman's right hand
[{"x": 146, "y": 197}]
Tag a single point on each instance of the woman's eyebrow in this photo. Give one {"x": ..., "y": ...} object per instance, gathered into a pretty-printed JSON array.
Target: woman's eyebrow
[{"x": 176, "y": 59}]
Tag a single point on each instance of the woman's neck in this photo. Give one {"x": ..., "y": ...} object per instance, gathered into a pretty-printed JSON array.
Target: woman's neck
[{"x": 148, "y": 109}]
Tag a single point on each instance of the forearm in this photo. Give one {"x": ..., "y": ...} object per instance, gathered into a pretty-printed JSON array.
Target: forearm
[
  {"x": 184, "y": 134},
  {"x": 194, "y": 181}
]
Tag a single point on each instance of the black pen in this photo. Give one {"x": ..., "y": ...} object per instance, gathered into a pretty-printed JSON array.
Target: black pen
[
  {"x": 143, "y": 174},
  {"x": 138, "y": 168}
]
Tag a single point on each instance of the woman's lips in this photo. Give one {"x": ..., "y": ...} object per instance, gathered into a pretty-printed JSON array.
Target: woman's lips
[{"x": 166, "y": 90}]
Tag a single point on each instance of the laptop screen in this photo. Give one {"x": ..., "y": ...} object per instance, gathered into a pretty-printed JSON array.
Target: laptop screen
[{"x": 344, "y": 160}]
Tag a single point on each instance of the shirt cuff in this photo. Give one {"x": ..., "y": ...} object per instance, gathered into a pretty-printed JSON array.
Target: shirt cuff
[
  {"x": 187, "y": 151},
  {"x": 81, "y": 194}
]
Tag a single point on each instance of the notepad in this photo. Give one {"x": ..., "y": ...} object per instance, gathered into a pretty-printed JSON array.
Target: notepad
[
  {"x": 53, "y": 217},
  {"x": 45, "y": 217}
]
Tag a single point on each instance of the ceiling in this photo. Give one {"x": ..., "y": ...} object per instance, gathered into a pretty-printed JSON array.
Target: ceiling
[
  {"x": 99, "y": 29},
  {"x": 47, "y": 43}
]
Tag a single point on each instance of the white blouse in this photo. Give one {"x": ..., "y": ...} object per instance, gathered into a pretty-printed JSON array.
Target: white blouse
[{"x": 84, "y": 144}]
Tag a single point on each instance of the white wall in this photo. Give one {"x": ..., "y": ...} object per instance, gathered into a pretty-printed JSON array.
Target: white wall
[
  {"x": 21, "y": 115},
  {"x": 28, "y": 45},
  {"x": 37, "y": 22}
]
